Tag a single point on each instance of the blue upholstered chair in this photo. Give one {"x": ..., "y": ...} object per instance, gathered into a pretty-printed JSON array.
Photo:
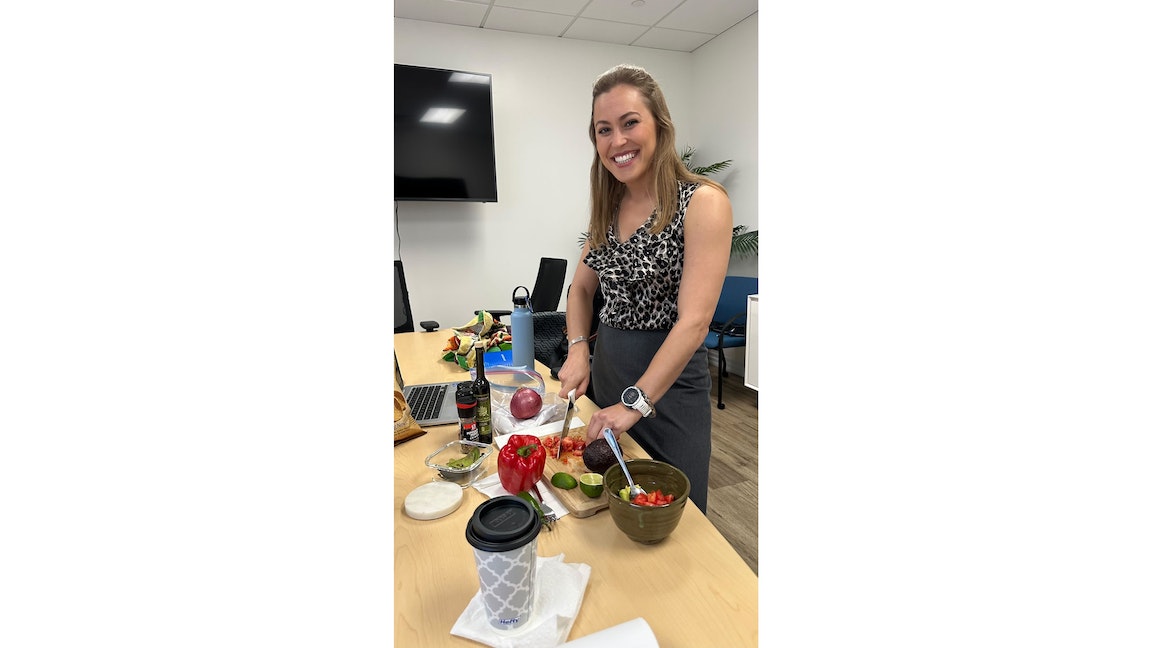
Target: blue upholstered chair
[{"x": 727, "y": 330}]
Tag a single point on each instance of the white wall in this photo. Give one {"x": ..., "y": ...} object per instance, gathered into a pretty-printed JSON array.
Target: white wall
[
  {"x": 462, "y": 256},
  {"x": 725, "y": 119}
]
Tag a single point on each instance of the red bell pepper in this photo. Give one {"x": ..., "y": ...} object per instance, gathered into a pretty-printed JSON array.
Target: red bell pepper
[{"x": 521, "y": 462}]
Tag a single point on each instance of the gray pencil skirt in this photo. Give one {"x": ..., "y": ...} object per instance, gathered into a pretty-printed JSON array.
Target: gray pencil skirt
[{"x": 681, "y": 431}]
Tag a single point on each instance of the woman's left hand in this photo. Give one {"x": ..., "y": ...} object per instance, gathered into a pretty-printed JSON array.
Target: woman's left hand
[{"x": 617, "y": 418}]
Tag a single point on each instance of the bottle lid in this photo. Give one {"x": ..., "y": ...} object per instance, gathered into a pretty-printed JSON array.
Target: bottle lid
[{"x": 503, "y": 523}]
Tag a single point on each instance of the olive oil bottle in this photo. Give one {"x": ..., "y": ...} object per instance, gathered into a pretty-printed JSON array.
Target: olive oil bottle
[{"x": 482, "y": 390}]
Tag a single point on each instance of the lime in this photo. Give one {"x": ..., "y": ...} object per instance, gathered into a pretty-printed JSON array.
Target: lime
[
  {"x": 592, "y": 484},
  {"x": 563, "y": 480}
]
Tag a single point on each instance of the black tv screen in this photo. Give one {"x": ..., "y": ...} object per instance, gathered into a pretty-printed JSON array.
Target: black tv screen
[{"x": 445, "y": 148}]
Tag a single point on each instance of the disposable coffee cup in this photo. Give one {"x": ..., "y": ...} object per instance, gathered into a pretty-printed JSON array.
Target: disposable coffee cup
[{"x": 503, "y": 534}]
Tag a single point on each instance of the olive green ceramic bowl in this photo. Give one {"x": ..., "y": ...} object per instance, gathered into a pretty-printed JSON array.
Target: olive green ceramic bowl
[{"x": 646, "y": 524}]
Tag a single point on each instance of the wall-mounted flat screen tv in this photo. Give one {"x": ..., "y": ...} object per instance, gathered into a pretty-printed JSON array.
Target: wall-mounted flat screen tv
[{"x": 445, "y": 147}]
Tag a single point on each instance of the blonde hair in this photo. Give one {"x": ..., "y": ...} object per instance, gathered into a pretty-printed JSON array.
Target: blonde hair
[{"x": 668, "y": 168}]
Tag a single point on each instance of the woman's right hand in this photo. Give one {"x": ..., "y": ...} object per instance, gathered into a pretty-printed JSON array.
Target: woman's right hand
[{"x": 575, "y": 374}]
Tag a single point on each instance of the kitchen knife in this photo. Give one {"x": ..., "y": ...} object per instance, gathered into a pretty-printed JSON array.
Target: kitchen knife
[{"x": 567, "y": 421}]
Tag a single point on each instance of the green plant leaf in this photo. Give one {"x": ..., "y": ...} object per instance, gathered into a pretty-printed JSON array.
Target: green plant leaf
[
  {"x": 712, "y": 168},
  {"x": 745, "y": 244},
  {"x": 708, "y": 169}
]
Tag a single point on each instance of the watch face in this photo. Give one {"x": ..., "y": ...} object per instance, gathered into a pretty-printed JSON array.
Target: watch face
[{"x": 630, "y": 396}]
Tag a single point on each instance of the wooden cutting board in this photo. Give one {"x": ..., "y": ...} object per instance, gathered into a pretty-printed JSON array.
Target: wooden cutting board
[{"x": 577, "y": 503}]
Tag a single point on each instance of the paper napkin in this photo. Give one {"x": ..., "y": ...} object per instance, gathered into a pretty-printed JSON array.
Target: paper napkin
[
  {"x": 559, "y": 593},
  {"x": 492, "y": 487}
]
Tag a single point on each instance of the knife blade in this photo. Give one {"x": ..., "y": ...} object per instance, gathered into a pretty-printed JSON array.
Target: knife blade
[{"x": 567, "y": 421}]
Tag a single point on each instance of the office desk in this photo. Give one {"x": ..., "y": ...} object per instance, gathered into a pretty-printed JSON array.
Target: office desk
[{"x": 693, "y": 588}]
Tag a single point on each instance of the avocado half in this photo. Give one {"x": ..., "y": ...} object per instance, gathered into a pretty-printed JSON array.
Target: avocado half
[{"x": 598, "y": 456}]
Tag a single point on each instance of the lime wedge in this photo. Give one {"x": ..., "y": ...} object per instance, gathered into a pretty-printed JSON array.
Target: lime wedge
[{"x": 592, "y": 484}]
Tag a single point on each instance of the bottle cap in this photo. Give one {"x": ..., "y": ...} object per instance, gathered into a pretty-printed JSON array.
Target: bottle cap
[
  {"x": 464, "y": 398},
  {"x": 502, "y": 523}
]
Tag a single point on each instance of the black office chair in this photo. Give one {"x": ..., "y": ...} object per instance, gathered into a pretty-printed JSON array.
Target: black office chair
[
  {"x": 549, "y": 287},
  {"x": 550, "y": 338},
  {"x": 403, "y": 308},
  {"x": 551, "y": 335}
]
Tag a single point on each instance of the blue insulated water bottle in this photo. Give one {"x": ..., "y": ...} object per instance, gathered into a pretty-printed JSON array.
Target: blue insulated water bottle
[{"x": 523, "y": 342}]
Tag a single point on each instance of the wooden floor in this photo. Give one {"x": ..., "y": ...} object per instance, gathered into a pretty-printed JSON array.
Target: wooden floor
[{"x": 732, "y": 478}]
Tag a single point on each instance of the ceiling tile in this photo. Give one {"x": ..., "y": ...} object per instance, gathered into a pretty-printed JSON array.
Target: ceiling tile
[
  {"x": 623, "y": 11},
  {"x": 527, "y": 22},
  {"x": 452, "y": 12},
  {"x": 709, "y": 16},
  {"x": 673, "y": 39},
  {"x": 566, "y": 7},
  {"x": 603, "y": 31},
  {"x": 604, "y": 21}
]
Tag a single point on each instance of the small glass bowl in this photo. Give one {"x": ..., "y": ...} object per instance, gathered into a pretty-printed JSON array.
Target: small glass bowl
[{"x": 463, "y": 476}]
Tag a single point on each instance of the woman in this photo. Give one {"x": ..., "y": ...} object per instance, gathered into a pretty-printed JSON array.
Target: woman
[{"x": 658, "y": 247}]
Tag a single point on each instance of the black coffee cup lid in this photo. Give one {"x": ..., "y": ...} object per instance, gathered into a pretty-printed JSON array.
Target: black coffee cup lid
[{"x": 502, "y": 523}]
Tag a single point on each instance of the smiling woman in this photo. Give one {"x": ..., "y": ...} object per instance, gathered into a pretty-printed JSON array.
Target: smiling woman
[{"x": 658, "y": 246}]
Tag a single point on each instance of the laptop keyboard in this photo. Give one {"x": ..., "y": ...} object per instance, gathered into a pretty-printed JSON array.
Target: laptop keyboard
[{"x": 426, "y": 400}]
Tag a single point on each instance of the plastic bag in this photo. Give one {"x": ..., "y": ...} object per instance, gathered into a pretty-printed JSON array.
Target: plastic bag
[
  {"x": 552, "y": 409},
  {"x": 507, "y": 380}
]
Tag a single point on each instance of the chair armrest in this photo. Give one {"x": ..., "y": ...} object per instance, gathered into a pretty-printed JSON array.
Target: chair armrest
[
  {"x": 430, "y": 325},
  {"x": 728, "y": 328}
]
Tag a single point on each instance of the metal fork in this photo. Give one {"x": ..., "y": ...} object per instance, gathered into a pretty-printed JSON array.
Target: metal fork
[{"x": 549, "y": 515}]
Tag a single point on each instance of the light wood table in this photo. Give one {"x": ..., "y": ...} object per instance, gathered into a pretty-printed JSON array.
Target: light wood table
[{"x": 693, "y": 589}]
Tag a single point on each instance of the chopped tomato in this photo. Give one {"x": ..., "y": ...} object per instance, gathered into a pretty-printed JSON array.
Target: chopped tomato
[
  {"x": 570, "y": 447},
  {"x": 655, "y": 498}
]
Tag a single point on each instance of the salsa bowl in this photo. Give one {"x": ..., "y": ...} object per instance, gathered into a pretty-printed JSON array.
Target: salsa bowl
[{"x": 647, "y": 524}]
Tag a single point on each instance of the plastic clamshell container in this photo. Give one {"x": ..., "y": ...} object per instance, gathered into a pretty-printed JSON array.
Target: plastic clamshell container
[{"x": 454, "y": 450}]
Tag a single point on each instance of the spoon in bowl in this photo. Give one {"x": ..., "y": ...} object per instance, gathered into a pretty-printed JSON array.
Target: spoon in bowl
[{"x": 633, "y": 489}]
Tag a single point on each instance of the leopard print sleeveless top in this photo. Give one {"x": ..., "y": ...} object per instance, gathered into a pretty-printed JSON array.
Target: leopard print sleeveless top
[{"x": 640, "y": 277}]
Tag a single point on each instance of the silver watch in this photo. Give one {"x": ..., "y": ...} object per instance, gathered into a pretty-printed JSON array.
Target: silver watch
[{"x": 635, "y": 398}]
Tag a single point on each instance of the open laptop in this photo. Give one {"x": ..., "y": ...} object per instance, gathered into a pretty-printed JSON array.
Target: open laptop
[{"x": 432, "y": 404}]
